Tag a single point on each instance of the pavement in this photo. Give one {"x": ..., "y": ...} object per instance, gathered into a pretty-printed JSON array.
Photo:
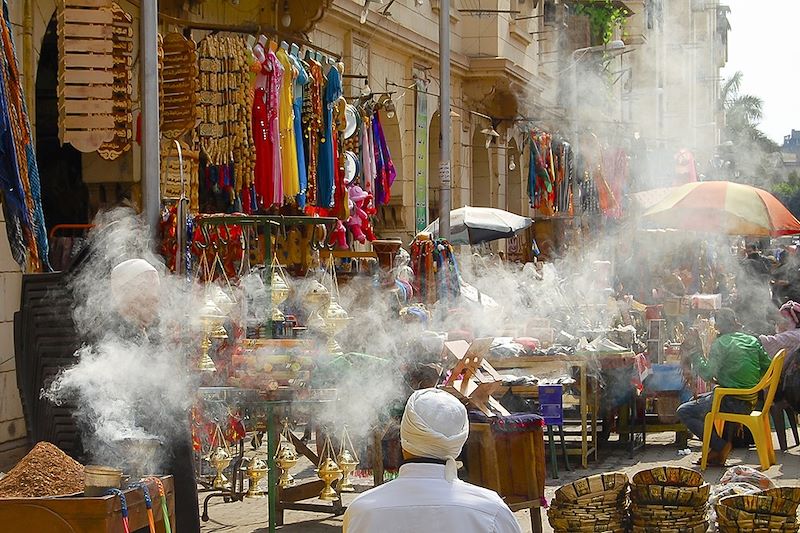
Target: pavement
[{"x": 250, "y": 516}]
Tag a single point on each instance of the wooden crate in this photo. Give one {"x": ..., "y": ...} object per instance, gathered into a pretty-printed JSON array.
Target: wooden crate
[
  {"x": 511, "y": 464},
  {"x": 85, "y": 515}
]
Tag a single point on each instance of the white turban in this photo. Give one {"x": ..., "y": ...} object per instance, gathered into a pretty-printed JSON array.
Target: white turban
[
  {"x": 127, "y": 273},
  {"x": 435, "y": 425}
]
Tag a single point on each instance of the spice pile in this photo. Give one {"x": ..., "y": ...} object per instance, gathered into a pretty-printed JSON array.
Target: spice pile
[{"x": 45, "y": 471}]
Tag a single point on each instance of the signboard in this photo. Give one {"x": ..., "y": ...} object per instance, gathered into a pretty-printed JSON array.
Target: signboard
[
  {"x": 421, "y": 159},
  {"x": 551, "y": 404}
]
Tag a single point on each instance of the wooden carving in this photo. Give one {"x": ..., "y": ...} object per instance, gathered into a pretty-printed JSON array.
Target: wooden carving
[
  {"x": 123, "y": 117},
  {"x": 86, "y": 73},
  {"x": 171, "y": 173},
  {"x": 472, "y": 378},
  {"x": 178, "y": 85}
]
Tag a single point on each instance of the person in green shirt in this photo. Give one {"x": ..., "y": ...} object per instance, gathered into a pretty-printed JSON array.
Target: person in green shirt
[{"x": 736, "y": 360}]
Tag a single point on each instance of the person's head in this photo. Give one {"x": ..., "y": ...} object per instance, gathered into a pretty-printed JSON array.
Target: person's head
[
  {"x": 790, "y": 312},
  {"x": 726, "y": 321},
  {"x": 434, "y": 426},
  {"x": 135, "y": 290}
]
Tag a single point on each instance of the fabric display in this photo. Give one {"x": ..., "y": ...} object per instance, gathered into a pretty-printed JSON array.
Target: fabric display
[
  {"x": 550, "y": 174},
  {"x": 436, "y": 274},
  {"x": 19, "y": 174},
  {"x": 276, "y": 135}
]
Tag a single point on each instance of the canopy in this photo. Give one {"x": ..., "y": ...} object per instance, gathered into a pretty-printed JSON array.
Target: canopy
[
  {"x": 474, "y": 225},
  {"x": 722, "y": 207}
]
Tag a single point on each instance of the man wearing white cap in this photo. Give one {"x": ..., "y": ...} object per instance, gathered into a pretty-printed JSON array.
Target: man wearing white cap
[
  {"x": 427, "y": 495},
  {"x": 136, "y": 292}
]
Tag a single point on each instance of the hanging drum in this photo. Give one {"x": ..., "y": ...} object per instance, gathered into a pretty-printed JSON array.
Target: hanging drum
[
  {"x": 86, "y": 79},
  {"x": 178, "y": 85}
]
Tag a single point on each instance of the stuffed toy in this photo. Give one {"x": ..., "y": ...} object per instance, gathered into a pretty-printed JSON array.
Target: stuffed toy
[{"x": 358, "y": 223}]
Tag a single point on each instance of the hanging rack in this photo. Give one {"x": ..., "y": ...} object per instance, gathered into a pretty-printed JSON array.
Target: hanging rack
[{"x": 249, "y": 29}]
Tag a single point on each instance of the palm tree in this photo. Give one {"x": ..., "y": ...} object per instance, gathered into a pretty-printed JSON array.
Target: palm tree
[{"x": 748, "y": 150}]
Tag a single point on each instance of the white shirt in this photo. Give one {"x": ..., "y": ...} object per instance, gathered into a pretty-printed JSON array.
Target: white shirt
[{"x": 421, "y": 500}]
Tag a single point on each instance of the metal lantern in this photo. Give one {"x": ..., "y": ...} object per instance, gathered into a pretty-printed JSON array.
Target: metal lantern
[
  {"x": 219, "y": 460},
  {"x": 347, "y": 461},
  {"x": 328, "y": 471},
  {"x": 256, "y": 471},
  {"x": 286, "y": 457}
]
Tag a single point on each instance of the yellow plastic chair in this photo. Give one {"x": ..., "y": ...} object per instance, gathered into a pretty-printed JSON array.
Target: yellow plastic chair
[{"x": 757, "y": 421}]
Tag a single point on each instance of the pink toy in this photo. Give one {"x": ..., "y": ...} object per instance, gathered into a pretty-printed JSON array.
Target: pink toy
[{"x": 358, "y": 223}]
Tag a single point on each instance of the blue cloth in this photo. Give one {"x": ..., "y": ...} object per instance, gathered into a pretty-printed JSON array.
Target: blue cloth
[
  {"x": 326, "y": 183},
  {"x": 300, "y": 82}
]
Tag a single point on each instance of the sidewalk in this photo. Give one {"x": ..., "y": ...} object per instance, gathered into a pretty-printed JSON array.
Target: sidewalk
[{"x": 250, "y": 516}]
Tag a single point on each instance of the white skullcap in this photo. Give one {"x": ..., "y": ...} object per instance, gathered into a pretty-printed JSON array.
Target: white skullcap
[
  {"x": 126, "y": 273},
  {"x": 435, "y": 425}
]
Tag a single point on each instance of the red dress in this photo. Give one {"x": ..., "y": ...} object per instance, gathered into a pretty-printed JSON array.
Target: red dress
[{"x": 264, "y": 150}]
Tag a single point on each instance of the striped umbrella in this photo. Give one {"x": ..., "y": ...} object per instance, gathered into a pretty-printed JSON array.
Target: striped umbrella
[{"x": 722, "y": 207}]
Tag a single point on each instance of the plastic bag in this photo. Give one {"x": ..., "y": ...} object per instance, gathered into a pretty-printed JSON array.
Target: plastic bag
[{"x": 746, "y": 474}]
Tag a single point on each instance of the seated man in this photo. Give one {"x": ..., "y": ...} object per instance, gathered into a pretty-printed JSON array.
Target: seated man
[
  {"x": 427, "y": 495},
  {"x": 736, "y": 360}
]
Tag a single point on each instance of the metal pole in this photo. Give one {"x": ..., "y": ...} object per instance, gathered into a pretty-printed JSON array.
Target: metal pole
[
  {"x": 148, "y": 46},
  {"x": 444, "y": 119}
]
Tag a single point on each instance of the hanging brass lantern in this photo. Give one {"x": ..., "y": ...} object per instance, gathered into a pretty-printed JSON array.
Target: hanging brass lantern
[
  {"x": 347, "y": 460},
  {"x": 280, "y": 292},
  {"x": 219, "y": 460},
  {"x": 286, "y": 459},
  {"x": 328, "y": 472},
  {"x": 336, "y": 319},
  {"x": 348, "y": 464},
  {"x": 256, "y": 470}
]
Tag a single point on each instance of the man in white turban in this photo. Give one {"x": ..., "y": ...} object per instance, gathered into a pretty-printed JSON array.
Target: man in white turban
[
  {"x": 427, "y": 496},
  {"x": 135, "y": 291}
]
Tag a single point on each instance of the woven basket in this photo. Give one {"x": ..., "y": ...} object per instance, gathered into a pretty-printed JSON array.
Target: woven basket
[
  {"x": 592, "y": 486},
  {"x": 760, "y": 504},
  {"x": 670, "y": 476},
  {"x": 667, "y": 495}
]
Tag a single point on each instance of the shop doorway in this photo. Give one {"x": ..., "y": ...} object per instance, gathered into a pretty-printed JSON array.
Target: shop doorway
[{"x": 65, "y": 197}]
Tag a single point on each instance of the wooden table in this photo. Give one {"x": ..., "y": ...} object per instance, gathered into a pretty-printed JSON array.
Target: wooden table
[
  {"x": 80, "y": 514},
  {"x": 587, "y": 401}
]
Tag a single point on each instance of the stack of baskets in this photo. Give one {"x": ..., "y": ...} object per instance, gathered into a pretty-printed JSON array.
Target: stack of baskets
[
  {"x": 767, "y": 511},
  {"x": 669, "y": 499},
  {"x": 592, "y": 504}
]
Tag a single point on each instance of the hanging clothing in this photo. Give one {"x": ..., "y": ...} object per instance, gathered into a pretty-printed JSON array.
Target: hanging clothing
[
  {"x": 385, "y": 171},
  {"x": 291, "y": 178},
  {"x": 326, "y": 172},
  {"x": 274, "y": 84},
  {"x": 300, "y": 81},
  {"x": 262, "y": 174},
  {"x": 368, "y": 163},
  {"x": 312, "y": 126}
]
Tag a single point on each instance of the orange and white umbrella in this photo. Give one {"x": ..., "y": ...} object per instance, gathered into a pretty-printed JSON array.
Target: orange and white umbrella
[{"x": 722, "y": 207}]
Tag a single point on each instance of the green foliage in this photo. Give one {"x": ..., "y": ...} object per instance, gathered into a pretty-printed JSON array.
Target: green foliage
[{"x": 603, "y": 18}]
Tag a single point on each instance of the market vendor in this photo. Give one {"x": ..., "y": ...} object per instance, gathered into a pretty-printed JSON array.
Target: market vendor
[
  {"x": 135, "y": 288},
  {"x": 736, "y": 360},
  {"x": 427, "y": 495},
  {"x": 788, "y": 331}
]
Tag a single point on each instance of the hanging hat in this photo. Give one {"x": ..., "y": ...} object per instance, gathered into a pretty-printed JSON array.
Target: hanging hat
[{"x": 351, "y": 121}]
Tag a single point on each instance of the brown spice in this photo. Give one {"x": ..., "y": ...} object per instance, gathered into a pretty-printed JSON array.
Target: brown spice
[{"x": 45, "y": 471}]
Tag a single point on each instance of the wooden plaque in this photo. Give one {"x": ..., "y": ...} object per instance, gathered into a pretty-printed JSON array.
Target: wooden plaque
[{"x": 178, "y": 85}]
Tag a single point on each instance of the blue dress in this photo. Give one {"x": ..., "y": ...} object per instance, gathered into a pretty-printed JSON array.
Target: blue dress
[
  {"x": 300, "y": 82},
  {"x": 326, "y": 183}
]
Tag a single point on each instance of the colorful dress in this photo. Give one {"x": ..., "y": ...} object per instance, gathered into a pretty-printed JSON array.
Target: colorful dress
[
  {"x": 300, "y": 81},
  {"x": 291, "y": 179},
  {"x": 327, "y": 149}
]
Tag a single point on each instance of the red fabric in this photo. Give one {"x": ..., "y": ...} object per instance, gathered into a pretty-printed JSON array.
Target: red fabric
[{"x": 265, "y": 153}]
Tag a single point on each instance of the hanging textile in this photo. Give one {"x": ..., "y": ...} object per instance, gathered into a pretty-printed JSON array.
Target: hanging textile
[
  {"x": 19, "y": 174},
  {"x": 386, "y": 172},
  {"x": 328, "y": 157},
  {"x": 291, "y": 178},
  {"x": 436, "y": 274},
  {"x": 312, "y": 126},
  {"x": 301, "y": 80}
]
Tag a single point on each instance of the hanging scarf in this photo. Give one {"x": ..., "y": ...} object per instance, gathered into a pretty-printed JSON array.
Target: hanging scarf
[
  {"x": 326, "y": 172},
  {"x": 386, "y": 173},
  {"x": 19, "y": 173}
]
